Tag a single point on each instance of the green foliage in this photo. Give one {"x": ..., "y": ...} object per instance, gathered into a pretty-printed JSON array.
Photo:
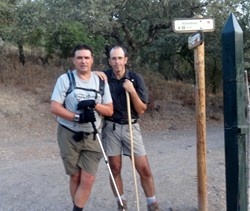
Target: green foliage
[
  {"x": 143, "y": 27},
  {"x": 6, "y": 13},
  {"x": 6, "y": 17},
  {"x": 23, "y": 22},
  {"x": 69, "y": 34}
]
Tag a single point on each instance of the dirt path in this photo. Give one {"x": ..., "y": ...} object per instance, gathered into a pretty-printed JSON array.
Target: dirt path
[{"x": 32, "y": 175}]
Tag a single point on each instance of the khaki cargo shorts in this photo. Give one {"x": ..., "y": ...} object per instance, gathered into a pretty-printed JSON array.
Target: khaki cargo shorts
[
  {"x": 85, "y": 154},
  {"x": 116, "y": 139}
]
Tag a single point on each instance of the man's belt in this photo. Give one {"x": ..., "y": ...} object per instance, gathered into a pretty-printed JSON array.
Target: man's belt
[
  {"x": 77, "y": 136},
  {"x": 122, "y": 121}
]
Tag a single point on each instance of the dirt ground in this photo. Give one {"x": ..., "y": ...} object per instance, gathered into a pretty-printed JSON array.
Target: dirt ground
[{"x": 32, "y": 175}]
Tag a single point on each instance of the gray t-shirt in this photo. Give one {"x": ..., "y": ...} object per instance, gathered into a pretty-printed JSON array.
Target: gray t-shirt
[{"x": 76, "y": 96}]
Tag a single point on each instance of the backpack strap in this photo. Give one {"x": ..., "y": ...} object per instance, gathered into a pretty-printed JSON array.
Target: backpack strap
[
  {"x": 101, "y": 86},
  {"x": 72, "y": 82}
]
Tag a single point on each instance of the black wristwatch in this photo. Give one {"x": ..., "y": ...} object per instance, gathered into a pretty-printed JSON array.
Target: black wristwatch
[{"x": 76, "y": 118}]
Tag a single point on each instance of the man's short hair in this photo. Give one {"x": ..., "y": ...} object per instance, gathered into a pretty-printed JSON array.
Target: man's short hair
[
  {"x": 81, "y": 47},
  {"x": 119, "y": 46}
]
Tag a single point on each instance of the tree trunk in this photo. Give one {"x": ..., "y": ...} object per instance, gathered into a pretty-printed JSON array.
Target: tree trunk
[{"x": 21, "y": 53}]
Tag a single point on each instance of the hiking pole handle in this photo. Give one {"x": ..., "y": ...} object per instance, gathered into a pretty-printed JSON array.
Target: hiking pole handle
[{"x": 94, "y": 127}]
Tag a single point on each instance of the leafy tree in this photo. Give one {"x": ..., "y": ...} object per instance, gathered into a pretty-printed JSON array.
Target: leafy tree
[
  {"x": 23, "y": 25},
  {"x": 144, "y": 27},
  {"x": 6, "y": 16},
  {"x": 68, "y": 35}
]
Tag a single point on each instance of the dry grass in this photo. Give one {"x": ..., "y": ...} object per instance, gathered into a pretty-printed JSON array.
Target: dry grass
[
  {"x": 39, "y": 79},
  {"x": 162, "y": 92},
  {"x": 36, "y": 78},
  {"x": 161, "y": 89}
]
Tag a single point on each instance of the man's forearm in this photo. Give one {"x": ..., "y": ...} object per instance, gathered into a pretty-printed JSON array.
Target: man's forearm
[
  {"x": 139, "y": 106},
  {"x": 105, "y": 109},
  {"x": 59, "y": 110}
]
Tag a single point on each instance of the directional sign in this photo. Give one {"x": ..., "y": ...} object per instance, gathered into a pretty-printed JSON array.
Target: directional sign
[
  {"x": 191, "y": 25},
  {"x": 195, "y": 40}
]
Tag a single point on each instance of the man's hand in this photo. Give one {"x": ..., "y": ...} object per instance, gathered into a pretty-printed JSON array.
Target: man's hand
[
  {"x": 87, "y": 115},
  {"x": 128, "y": 86},
  {"x": 86, "y": 104},
  {"x": 101, "y": 74}
]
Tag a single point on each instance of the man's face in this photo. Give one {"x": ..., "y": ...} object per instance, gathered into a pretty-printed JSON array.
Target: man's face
[
  {"x": 83, "y": 60},
  {"x": 118, "y": 60}
]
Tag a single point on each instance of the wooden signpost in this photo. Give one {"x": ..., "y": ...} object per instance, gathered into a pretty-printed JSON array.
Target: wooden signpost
[{"x": 196, "y": 42}]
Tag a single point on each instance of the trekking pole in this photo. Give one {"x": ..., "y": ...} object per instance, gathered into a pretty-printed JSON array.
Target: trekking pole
[
  {"x": 106, "y": 161},
  {"x": 132, "y": 148}
]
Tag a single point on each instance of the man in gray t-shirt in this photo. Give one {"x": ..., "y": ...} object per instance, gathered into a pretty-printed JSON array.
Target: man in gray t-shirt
[{"x": 76, "y": 113}]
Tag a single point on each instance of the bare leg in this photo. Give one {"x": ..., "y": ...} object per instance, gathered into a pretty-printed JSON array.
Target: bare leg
[
  {"x": 147, "y": 181},
  {"x": 84, "y": 189},
  {"x": 74, "y": 184},
  {"x": 116, "y": 165}
]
